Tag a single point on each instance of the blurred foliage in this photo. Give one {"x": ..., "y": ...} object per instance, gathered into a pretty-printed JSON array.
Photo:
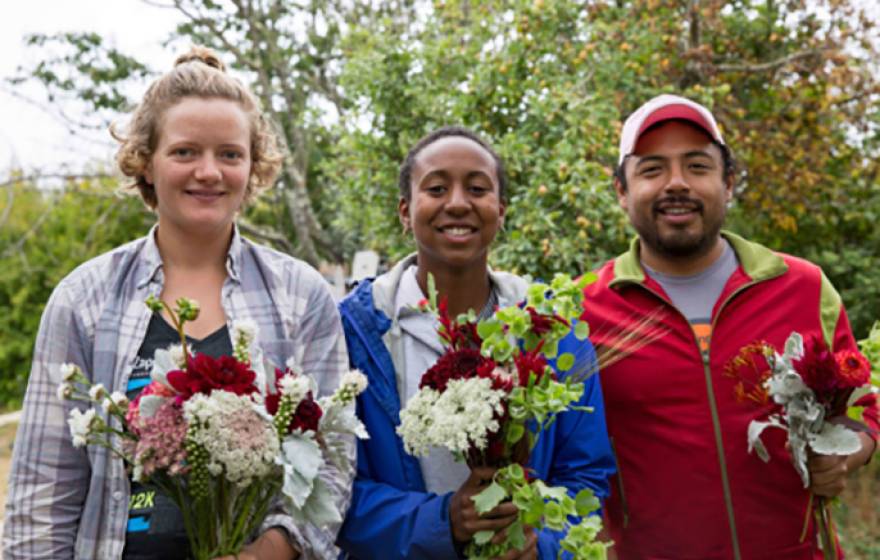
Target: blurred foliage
[
  {"x": 352, "y": 85},
  {"x": 43, "y": 236},
  {"x": 549, "y": 82}
]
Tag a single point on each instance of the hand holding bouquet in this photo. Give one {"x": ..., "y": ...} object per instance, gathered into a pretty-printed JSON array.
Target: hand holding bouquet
[
  {"x": 809, "y": 387},
  {"x": 489, "y": 395},
  {"x": 204, "y": 434}
]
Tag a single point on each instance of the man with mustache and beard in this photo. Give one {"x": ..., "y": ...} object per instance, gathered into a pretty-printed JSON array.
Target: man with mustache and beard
[{"x": 687, "y": 487}]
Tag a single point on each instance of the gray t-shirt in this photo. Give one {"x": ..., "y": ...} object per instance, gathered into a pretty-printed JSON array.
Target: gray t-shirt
[{"x": 695, "y": 295}]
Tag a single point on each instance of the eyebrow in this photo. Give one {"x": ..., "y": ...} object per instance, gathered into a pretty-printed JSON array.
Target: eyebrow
[
  {"x": 445, "y": 174},
  {"x": 659, "y": 158}
]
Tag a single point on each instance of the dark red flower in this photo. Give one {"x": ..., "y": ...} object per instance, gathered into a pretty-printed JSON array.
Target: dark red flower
[
  {"x": 542, "y": 323},
  {"x": 273, "y": 396},
  {"x": 528, "y": 363},
  {"x": 456, "y": 335},
  {"x": 855, "y": 370},
  {"x": 819, "y": 369},
  {"x": 456, "y": 364},
  {"x": 307, "y": 415},
  {"x": 205, "y": 374}
]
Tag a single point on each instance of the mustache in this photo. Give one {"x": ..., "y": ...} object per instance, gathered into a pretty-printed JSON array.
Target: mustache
[{"x": 677, "y": 200}]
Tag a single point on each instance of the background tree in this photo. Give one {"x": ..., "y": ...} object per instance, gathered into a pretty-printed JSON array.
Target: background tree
[
  {"x": 550, "y": 82},
  {"x": 43, "y": 236}
]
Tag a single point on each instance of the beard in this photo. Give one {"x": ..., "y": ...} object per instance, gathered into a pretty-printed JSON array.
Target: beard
[{"x": 681, "y": 243}]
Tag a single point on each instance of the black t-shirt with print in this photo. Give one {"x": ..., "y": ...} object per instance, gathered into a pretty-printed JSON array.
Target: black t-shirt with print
[{"x": 155, "y": 525}]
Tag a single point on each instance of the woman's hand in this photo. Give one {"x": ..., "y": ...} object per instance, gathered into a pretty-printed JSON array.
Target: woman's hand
[
  {"x": 463, "y": 516},
  {"x": 271, "y": 545}
]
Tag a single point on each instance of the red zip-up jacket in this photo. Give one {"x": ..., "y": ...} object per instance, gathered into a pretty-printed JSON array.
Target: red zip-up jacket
[{"x": 687, "y": 487}]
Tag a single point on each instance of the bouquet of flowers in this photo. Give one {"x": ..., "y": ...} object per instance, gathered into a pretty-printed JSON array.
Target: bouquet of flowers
[
  {"x": 205, "y": 435},
  {"x": 489, "y": 394},
  {"x": 807, "y": 386}
]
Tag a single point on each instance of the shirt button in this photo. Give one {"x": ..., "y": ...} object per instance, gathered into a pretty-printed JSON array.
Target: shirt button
[{"x": 117, "y": 495}]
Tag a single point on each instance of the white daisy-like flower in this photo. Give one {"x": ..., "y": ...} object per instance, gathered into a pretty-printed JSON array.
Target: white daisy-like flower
[
  {"x": 80, "y": 424},
  {"x": 119, "y": 399},
  {"x": 68, "y": 371},
  {"x": 178, "y": 356},
  {"x": 64, "y": 391},
  {"x": 97, "y": 392}
]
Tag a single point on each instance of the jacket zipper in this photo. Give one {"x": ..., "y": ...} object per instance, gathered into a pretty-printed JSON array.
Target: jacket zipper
[
  {"x": 623, "y": 505},
  {"x": 713, "y": 409}
]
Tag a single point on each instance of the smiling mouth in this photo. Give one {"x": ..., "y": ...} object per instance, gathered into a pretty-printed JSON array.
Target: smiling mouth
[
  {"x": 458, "y": 230},
  {"x": 205, "y": 195}
]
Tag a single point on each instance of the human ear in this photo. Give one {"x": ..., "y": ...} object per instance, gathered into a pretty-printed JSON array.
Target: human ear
[
  {"x": 403, "y": 214},
  {"x": 621, "y": 193}
]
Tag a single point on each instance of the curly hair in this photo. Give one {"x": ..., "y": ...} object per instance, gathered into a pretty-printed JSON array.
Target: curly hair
[{"x": 198, "y": 73}]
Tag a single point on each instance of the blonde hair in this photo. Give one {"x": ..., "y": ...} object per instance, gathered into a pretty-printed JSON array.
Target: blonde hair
[{"x": 198, "y": 73}]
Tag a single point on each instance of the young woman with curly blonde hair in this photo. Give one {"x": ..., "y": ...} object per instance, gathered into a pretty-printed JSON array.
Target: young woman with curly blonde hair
[{"x": 197, "y": 148}]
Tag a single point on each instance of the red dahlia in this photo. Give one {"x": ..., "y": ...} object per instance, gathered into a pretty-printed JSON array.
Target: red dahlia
[
  {"x": 307, "y": 415},
  {"x": 205, "y": 374},
  {"x": 456, "y": 364}
]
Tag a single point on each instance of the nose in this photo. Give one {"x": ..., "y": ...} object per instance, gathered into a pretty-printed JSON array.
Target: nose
[
  {"x": 208, "y": 171},
  {"x": 677, "y": 180},
  {"x": 458, "y": 200}
]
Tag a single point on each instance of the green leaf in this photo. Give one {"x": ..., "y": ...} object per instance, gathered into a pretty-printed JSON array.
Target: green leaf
[
  {"x": 565, "y": 361},
  {"x": 586, "y": 502},
  {"x": 515, "y": 432},
  {"x": 489, "y": 498},
  {"x": 483, "y": 537}
]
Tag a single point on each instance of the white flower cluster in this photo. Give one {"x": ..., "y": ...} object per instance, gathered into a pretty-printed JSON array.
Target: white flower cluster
[
  {"x": 356, "y": 380},
  {"x": 296, "y": 387},
  {"x": 460, "y": 417},
  {"x": 244, "y": 333},
  {"x": 81, "y": 424},
  {"x": 241, "y": 443},
  {"x": 353, "y": 384},
  {"x": 803, "y": 417}
]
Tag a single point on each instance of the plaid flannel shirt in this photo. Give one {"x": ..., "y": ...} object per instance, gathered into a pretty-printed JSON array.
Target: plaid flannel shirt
[{"x": 65, "y": 502}]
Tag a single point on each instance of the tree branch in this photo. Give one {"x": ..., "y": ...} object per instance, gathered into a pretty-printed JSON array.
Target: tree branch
[
  {"x": 769, "y": 66},
  {"x": 265, "y": 235}
]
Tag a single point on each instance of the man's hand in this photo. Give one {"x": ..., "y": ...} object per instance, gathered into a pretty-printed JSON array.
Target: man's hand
[
  {"x": 827, "y": 474},
  {"x": 463, "y": 516}
]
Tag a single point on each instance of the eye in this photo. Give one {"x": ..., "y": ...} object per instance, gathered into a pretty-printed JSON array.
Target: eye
[
  {"x": 700, "y": 167},
  {"x": 650, "y": 170},
  {"x": 182, "y": 152},
  {"x": 435, "y": 190},
  {"x": 232, "y": 155},
  {"x": 479, "y": 190}
]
